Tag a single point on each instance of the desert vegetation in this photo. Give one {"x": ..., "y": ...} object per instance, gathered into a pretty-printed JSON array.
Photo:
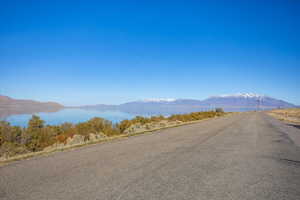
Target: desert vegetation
[
  {"x": 291, "y": 115},
  {"x": 37, "y": 136}
]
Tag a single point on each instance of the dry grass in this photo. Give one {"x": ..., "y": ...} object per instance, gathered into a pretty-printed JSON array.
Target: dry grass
[{"x": 291, "y": 115}]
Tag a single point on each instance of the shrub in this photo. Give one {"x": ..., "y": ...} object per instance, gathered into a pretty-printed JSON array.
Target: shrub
[
  {"x": 219, "y": 110},
  {"x": 123, "y": 125},
  {"x": 8, "y": 149},
  {"x": 16, "y": 140}
]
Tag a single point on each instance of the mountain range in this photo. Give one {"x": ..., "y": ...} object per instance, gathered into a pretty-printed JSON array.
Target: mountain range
[{"x": 235, "y": 102}]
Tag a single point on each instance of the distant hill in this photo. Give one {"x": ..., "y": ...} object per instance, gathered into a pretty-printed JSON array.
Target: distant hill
[
  {"x": 162, "y": 106},
  {"x": 10, "y": 106},
  {"x": 96, "y": 107},
  {"x": 236, "y": 102}
]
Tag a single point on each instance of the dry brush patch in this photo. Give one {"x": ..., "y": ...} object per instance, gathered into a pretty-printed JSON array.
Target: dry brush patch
[
  {"x": 18, "y": 143},
  {"x": 291, "y": 115}
]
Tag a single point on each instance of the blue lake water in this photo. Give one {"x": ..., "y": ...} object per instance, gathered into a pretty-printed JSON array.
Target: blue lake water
[
  {"x": 80, "y": 115},
  {"x": 70, "y": 115}
]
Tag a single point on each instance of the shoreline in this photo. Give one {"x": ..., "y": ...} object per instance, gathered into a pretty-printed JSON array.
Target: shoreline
[{"x": 102, "y": 140}]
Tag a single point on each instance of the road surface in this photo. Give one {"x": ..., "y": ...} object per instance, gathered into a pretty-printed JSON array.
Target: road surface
[{"x": 244, "y": 156}]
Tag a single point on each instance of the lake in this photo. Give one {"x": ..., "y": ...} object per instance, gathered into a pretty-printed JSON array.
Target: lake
[
  {"x": 75, "y": 115},
  {"x": 69, "y": 115}
]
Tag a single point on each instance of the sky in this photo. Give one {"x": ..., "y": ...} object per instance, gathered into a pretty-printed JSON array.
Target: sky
[{"x": 111, "y": 52}]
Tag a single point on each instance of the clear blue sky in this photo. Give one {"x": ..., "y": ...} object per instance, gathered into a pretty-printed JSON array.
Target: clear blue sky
[{"x": 88, "y": 52}]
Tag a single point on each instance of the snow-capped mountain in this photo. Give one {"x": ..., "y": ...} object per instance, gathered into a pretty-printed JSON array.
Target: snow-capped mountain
[
  {"x": 247, "y": 100},
  {"x": 158, "y": 100},
  {"x": 233, "y": 102},
  {"x": 243, "y": 95}
]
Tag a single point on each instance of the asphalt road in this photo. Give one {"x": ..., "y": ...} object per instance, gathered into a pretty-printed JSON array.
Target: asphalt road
[{"x": 245, "y": 156}]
